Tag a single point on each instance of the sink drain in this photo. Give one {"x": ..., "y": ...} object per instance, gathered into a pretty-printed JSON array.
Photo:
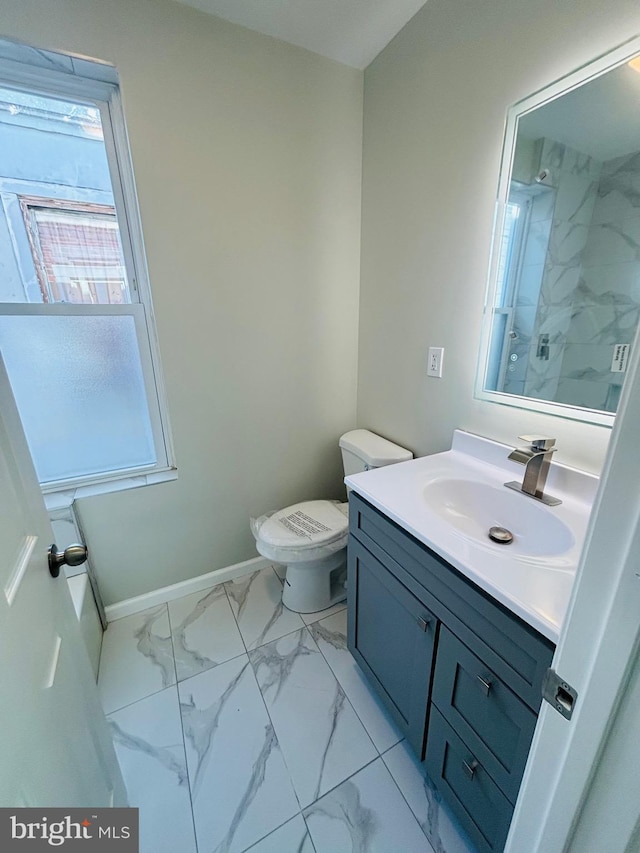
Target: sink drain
[{"x": 500, "y": 535}]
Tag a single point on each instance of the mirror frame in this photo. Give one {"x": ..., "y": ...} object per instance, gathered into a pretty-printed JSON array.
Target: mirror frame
[{"x": 590, "y": 71}]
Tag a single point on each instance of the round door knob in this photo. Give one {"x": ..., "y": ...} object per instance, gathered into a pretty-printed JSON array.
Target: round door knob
[{"x": 74, "y": 555}]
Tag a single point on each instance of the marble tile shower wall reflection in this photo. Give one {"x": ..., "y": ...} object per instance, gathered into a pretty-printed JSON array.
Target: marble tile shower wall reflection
[
  {"x": 606, "y": 305},
  {"x": 579, "y": 283},
  {"x": 575, "y": 177}
]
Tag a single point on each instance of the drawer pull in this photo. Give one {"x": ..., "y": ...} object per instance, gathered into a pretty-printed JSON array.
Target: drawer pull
[
  {"x": 423, "y": 623},
  {"x": 469, "y": 769},
  {"x": 485, "y": 685}
]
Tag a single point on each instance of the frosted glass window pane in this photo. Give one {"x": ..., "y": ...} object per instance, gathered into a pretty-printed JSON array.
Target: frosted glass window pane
[{"x": 80, "y": 391}]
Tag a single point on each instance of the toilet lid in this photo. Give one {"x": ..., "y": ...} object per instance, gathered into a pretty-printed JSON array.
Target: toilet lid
[{"x": 306, "y": 525}]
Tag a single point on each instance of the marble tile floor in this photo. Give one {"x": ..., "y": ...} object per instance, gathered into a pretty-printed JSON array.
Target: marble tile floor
[{"x": 241, "y": 726}]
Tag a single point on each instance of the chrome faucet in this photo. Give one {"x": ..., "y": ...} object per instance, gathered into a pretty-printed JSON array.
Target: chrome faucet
[{"x": 537, "y": 458}]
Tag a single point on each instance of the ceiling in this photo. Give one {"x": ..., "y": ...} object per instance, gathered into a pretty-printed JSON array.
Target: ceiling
[{"x": 350, "y": 31}]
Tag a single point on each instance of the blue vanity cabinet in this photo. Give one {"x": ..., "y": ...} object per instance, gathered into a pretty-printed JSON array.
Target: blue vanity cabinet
[{"x": 459, "y": 673}]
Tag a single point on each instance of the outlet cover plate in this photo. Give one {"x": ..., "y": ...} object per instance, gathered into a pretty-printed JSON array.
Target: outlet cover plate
[{"x": 434, "y": 362}]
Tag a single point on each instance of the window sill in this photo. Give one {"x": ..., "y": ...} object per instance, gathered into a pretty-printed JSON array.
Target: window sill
[{"x": 65, "y": 497}]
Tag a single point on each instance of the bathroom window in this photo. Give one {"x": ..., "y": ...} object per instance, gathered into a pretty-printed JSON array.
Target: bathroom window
[{"x": 76, "y": 327}]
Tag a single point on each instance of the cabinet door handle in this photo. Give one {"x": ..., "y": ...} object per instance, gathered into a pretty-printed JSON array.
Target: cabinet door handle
[
  {"x": 485, "y": 685},
  {"x": 469, "y": 769},
  {"x": 423, "y": 623}
]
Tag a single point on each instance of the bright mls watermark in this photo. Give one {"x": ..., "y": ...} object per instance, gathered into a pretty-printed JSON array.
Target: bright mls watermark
[{"x": 103, "y": 830}]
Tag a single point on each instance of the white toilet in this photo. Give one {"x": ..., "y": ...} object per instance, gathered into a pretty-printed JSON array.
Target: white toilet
[{"x": 310, "y": 538}]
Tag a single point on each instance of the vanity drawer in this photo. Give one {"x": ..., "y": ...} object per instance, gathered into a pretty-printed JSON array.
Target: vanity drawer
[
  {"x": 483, "y": 810},
  {"x": 518, "y": 653},
  {"x": 487, "y": 715}
]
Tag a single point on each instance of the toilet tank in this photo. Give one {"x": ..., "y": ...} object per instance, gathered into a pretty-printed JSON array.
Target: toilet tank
[{"x": 362, "y": 450}]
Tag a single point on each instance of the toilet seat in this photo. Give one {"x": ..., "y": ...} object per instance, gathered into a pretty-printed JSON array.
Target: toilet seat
[
  {"x": 307, "y": 526},
  {"x": 310, "y": 539},
  {"x": 302, "y": 532}
]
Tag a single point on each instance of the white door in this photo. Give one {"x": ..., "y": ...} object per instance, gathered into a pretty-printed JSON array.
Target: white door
[
  {"x": 579, "y": 793},
  {"x": 55, "y": 745}
]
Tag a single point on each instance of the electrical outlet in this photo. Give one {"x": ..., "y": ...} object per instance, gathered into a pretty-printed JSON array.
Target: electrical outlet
[{"x": 434, "y": 361}]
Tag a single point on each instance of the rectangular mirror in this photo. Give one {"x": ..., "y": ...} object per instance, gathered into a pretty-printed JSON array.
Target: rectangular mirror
[{"x": 563, "y": 299}]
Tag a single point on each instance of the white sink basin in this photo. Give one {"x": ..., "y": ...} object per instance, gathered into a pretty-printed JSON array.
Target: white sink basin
[
  {"x": 473, "y": 507},
  {"x": 449, "y": 501}
]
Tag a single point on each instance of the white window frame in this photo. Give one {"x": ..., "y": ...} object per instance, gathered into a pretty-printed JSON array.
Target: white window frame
[{"x": 106, "y": 97}]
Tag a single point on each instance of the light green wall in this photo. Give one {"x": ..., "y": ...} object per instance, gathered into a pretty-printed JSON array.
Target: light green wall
[
  {"x": 247, "y": 157},
  {"x": 435, "y": 108}
]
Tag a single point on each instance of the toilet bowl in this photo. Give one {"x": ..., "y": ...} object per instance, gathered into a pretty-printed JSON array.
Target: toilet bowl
[{"x": 310, "y": 538}]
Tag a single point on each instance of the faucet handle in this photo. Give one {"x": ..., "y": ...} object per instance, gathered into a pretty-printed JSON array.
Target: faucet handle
[{"x": 538, "y": 442}]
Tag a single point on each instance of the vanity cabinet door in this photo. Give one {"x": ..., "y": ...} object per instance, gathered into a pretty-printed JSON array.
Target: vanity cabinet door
[{"x": 392, "y": 636}]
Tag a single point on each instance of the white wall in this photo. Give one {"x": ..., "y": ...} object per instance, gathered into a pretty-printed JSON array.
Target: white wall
[
  {"x": 247, "y": 156},
  {"x": 435, "y": 107}
]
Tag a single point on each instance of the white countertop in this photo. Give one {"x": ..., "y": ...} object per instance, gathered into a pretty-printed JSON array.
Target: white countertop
[{"x": 531, "y": 583}]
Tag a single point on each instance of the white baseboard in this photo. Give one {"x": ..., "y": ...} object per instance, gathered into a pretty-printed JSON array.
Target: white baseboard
[{"x": 177, "y": 590}]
